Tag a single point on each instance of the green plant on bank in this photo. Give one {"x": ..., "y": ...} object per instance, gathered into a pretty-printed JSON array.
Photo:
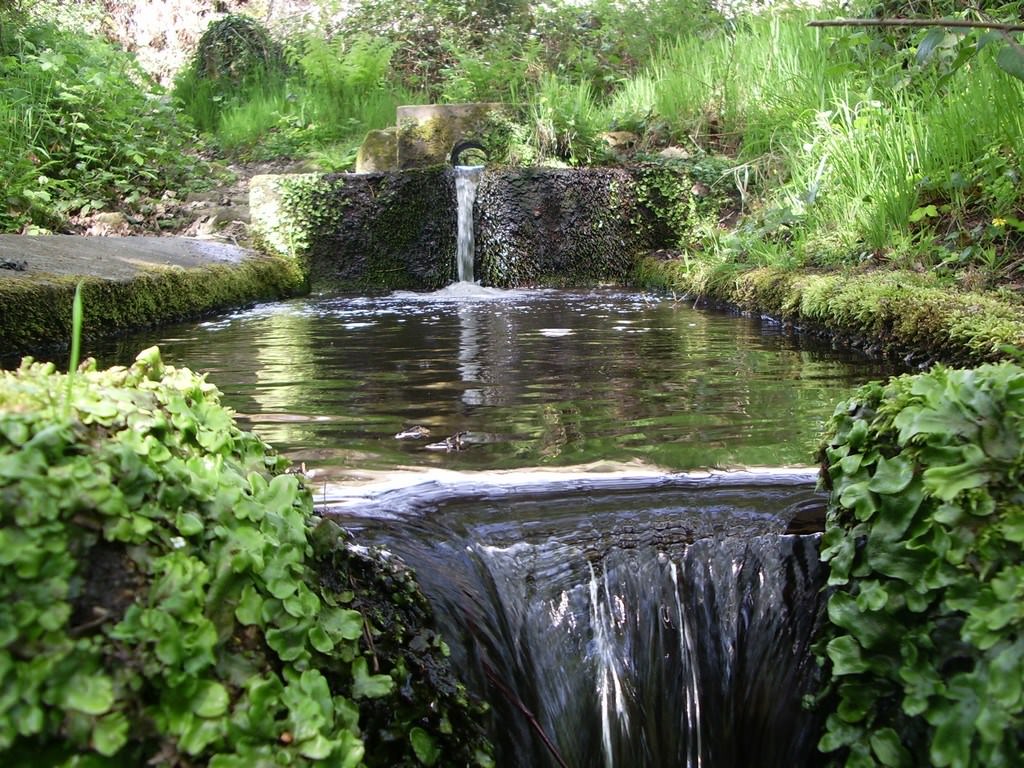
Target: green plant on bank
[
  {"x": 682, "y": 200},
  {"x": 166, "y": 596},
  {"x": 313, "y": 97},
  {"x": 924, "y": 644},
  {"x": 81, "y": 128}
]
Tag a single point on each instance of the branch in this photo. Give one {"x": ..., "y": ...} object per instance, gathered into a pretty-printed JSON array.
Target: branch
[{"x": 954, "y": 23}]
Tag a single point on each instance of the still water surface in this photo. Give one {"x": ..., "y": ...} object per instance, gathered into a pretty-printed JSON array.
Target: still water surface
[{"x": 525, "y": 378}]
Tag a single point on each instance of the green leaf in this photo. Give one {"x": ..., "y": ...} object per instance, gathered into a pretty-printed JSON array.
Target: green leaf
[
  {"x": 931, "y": 41},
  {"x": 341, "y": 623},
  {"x": 427, "y": 751},
  {"x": 859, "y": 498},
  {"x": 845, "y": 654},
  {"x": 869, "y": 627},
  {"x": 889, "y": 750},
  {"x": 249, "y": 606},
  {"x": 367, "y": 686},
  {"x": 946, "y": 482},
  {"x": 1010, "y": 59},
  {"x": 919, "y": 213},
  {"x": 951, "y": 744},
  {"x": 91, "y": 694},
  {"x": 211, "y": 700},
  {"x": 891, "y": 475},
  {"x": 110, "y": 734},
  {"x": 188, "y": 523},
  {"x": 316, "y": 748},
  {"x": 320, "y": 640}
]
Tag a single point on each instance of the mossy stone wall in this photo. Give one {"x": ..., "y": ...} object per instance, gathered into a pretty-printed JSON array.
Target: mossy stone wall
[
  {"x": 533, "y": 226},
  {"x": 559, "y": 226},
  {"x": 895, "y": 314},
  {"x": 35, "y": 312},
  {"x": 375, "y": 231}
]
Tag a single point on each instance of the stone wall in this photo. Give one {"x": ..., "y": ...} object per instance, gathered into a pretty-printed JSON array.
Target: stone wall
[
  {"x": 558, "y": 226},
  {"x": 373, "y": 231},
  {"x": 533, "y": 226}
]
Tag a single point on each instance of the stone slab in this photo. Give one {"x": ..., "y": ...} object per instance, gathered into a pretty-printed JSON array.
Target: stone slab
[{"x": 109, "y": 258}]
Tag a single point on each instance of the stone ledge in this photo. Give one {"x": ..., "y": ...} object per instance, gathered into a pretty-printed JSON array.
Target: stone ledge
[{"x": 127, "y": 283}]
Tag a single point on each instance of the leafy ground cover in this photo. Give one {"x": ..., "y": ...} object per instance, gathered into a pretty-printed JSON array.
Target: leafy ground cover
[
  {"x": 167, "y": 596},
  {"x": 81, "y": 128},
  {"x": 924, "y": 641}
]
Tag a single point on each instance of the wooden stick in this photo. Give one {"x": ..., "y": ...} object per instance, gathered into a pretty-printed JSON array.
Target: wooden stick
[{"x": 953, "y": 23}]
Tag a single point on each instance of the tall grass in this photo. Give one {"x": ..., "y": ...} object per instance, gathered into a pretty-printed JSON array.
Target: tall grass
[
  {"x": 332, "y": 94},
  {"x": 853, "y": 142}
]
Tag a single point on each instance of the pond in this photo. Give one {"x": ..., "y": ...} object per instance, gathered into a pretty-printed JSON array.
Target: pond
[
  {"x": 605, "y": 495},
  {"x": 523, "y": 378}
]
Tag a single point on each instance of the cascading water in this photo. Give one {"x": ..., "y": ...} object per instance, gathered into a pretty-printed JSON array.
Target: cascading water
[
  {"x": 466, "y": 179},
  {"x": 641, "y": 628}
]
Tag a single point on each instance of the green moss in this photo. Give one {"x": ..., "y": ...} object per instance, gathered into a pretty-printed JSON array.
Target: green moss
[
  {"x": 380, "y": 231},
  {"x": 901, "y": 313},
  {"x": 378, "y": 152},
  {"x": 36, "y": 311}
]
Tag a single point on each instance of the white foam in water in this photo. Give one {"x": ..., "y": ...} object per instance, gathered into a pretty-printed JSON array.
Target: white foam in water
[{"x": 463, "y": 291}]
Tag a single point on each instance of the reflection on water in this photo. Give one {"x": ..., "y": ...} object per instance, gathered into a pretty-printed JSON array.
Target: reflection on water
[{"x": 523, "y": 378}]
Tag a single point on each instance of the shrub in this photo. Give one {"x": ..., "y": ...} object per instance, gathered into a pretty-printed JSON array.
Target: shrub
[
  {"x": 924, "y": 536},
  {"x": 167, "y": 597}
]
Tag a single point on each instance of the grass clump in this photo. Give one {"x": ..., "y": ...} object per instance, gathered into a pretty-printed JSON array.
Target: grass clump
[
  {"x": 311, "y": 96},
  {"x": 168, "y": 596}
]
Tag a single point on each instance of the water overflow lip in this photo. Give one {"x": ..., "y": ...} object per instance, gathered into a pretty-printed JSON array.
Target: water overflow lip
[{"x": 628, "y": 619}]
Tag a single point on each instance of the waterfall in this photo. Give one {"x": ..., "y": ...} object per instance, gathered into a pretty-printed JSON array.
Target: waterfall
[
  {"x": 603, "y": 634},
  {"x": 466, "y": 179}
]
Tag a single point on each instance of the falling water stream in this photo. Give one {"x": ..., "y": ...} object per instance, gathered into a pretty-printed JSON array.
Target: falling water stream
[
  {"x": 538, "y": 457},
  {"x": 466, "y": 179}
]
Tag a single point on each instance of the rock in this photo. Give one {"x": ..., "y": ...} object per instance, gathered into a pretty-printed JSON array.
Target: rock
[
  {"x": 674, "y": 153},
  {"x": 617, "y": 140},
  {"x": 378, "y": 152},
  {"x": 427, "y": 133},
  {"x": 110, "y": 219}
]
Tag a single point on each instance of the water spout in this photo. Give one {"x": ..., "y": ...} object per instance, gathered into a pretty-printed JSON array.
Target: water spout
[{"x": 466, "y": 179}]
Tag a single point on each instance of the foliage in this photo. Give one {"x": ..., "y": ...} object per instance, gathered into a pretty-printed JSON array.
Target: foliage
[
  {"x": 851, "y": 138},
  {"x": 166, "y": 595},
  {"x": 320, "y": 99},
  {"x": 684, "y": 198},
  {"x": 81, "y": 128},
  {"x": 924, "y": 537},
  {"x": 235, "y": 49}
]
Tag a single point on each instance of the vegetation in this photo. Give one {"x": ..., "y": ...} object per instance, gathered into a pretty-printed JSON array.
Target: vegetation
[
  {"x": 898, "y": 146},
  {"x": 924, "y": 538},
  {"x": 899, "y": 314},
  {"x": 81, "y": 128},
  {"x": 35, "y": 312},
  {"x": 167, "y": 596}
]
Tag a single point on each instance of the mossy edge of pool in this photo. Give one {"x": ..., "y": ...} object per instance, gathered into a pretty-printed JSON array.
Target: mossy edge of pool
[
  {"x": 35, "y": 309},
  {"x": 892, "y": 313}
]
